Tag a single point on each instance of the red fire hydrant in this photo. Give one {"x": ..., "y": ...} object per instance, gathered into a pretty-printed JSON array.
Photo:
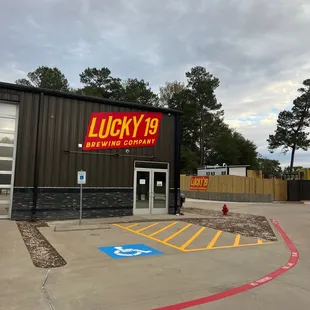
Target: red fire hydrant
[{"x": 225, "y": 210}]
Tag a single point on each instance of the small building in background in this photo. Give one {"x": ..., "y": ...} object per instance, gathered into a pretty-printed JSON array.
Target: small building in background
[
  {"x": 304, "y": 174},
  {"x": 290, "y": 176},
  {"x": 238, "y": 170}
]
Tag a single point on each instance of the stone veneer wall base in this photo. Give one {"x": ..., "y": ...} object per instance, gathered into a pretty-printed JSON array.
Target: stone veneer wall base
[{"x": 64, "y": 203}]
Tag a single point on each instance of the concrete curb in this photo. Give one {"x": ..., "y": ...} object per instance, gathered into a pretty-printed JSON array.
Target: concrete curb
[
  {"x": 81, "y": 227},
  {"x": 76, "y": 227}
]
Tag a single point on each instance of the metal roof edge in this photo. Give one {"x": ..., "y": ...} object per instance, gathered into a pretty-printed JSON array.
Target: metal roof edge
[
  {"x": 57, "y": 93},
  {"x": 219, "y": 167}
]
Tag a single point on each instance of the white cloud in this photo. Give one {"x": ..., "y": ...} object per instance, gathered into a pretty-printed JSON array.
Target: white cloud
[
  {"x": 11, "y": 72},
  {"x": 271, "y": 119}
]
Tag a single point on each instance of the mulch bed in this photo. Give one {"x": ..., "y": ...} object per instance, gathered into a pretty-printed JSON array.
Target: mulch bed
[
  {"x": 42, "y": 253},
  {"x": 247, "y": 225}
]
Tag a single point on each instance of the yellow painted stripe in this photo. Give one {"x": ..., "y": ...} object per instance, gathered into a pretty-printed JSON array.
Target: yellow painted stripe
[
  {"x": 187, "y": 250},
  {"x": 189, "y": 241},
  {"x": 225, "y": 247},
  {"x": 240, "y": 245},
  {"x": 213, "y": 241},
  {"x": 177, "y": 233},
  {"x": 160, "y": 230},
  {"x": 147, "y": 236},
  {"x": 145, "y": 228},
  {"x": 259, "y": 241},
  {"x": 130, "y": 226},
  {"x": 237, "y": 240}
]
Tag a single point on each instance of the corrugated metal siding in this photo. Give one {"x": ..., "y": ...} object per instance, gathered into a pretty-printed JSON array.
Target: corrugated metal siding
[
  {"x": 26, "y": 139},
  {"x": 63, "y": 125}
]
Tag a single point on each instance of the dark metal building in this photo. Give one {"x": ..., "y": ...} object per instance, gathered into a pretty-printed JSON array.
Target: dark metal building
[{"x": 42, "y": 133}]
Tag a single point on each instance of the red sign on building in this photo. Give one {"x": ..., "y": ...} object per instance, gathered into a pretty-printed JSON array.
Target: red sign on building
[
  {"x": 199, "y": 183},
  {"x": 108, "y": 130}
]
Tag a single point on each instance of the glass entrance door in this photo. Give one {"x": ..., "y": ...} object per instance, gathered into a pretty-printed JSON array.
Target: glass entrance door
[
  {"x": 151, "y": 191},
  {"x": 142, "y": 192},
  {"x": 159, "y": 192}
]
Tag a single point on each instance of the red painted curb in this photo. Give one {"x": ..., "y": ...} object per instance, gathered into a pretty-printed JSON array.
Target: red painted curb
[{"x": 293, "y": 260}]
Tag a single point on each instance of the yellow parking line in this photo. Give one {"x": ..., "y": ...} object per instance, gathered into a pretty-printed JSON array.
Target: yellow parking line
[
  {"x": 189, "y": 241},
  {"x": 237, "y": 240},
  {"x": 213, "y": 241},
  {"x": 240, "y": 245},
  {"x": 177, "y": 233},
  {"x": 145, "y": 228},
  {"x": 147, "y": 236},
  {"x": 160, "y": 230},
  {"x": 226, "y": 247},
  {"x": 183, "y": 247},
  {"x": 130, "y": 226}
]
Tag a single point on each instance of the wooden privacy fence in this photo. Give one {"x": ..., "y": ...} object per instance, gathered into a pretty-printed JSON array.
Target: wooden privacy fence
[{"x": 241, "y": 185}]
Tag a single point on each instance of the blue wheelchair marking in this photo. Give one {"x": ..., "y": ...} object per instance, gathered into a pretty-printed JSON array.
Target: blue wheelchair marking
[{"x": 129, "y": 250}]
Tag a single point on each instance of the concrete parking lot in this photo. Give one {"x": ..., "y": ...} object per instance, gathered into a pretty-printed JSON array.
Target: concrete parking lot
[{"x": 176, "y": 273}]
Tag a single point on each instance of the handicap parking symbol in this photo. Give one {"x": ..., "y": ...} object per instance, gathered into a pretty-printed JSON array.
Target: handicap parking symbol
[{"x": 129, "y": 250}]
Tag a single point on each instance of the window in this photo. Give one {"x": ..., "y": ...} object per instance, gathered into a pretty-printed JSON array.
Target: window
[
  {"x": 5, "y": 179},
  {"x": 223, "y": 173},
  {"x": 6, "y": 151},
  {"x": 6, "y": 165},
  {"x": 7, "y": 138},
  {"x": 212, "y": 173},
  {"x": 207, "y": 173},
  {"x": 7, "y": 124},
  {"x": 4, "y": 193},
  {"x": 8, "y": 109}
]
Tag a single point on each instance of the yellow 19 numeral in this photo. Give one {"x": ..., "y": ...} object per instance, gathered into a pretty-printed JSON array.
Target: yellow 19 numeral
[{"x": 151, "y": 126}]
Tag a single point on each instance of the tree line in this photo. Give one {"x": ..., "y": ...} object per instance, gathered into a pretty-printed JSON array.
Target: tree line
[{"x": 206, "y": 138}]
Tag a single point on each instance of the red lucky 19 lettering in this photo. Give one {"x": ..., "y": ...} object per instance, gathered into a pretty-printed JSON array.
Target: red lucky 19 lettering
[
  {"x": 199, "y": 182},
  {"x": 121, "y": 127}
]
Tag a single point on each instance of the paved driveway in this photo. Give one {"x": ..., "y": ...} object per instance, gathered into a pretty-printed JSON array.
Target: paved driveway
[{"x": 291, "y": 290}]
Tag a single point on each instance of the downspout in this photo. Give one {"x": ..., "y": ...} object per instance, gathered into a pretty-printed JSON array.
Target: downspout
[{"x": 36, "y": 169}]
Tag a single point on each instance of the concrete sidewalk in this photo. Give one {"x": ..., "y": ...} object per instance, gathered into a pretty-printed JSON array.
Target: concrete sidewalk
[
  {"x": 99, "y": 223},
  {"x": 20, "y": 280}
]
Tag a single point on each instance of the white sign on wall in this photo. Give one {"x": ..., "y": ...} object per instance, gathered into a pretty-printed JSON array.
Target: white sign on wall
[{"x": 81, "y": 177}]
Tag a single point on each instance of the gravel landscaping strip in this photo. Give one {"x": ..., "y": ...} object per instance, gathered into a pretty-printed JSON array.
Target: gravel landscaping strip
[
  {"x": 42, "y": 253},
  {"x": 247, "y": 225}
]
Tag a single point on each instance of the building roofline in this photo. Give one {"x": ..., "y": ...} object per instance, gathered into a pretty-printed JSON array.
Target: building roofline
[
  {"x": 219, "y": 167},
  {"x": 17, "y": 87}
]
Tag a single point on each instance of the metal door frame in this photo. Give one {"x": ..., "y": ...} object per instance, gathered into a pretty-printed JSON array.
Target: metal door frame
[{"x": 151, "y": 208}]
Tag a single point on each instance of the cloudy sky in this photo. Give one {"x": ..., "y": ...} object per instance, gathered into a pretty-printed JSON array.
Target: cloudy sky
[{"x": 259, "y": 49}]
